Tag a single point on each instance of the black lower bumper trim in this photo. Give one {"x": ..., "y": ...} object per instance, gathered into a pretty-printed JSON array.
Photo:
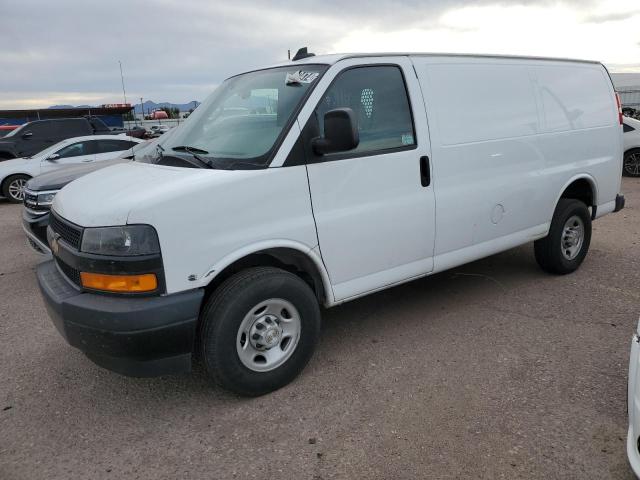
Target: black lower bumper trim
[
  {"x": 133, "y": 336},
  {"x": 619, "y": 203}
]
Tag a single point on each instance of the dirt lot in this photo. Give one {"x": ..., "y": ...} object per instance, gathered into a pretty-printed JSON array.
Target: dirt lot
[{"x": 492, "y": 370}]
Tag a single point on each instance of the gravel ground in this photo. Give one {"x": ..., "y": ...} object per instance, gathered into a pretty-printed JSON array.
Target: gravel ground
[{"x": 491, "y": 370}]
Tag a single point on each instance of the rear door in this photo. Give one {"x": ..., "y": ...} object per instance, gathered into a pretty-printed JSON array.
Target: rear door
[{"x": 374, "y": 205}]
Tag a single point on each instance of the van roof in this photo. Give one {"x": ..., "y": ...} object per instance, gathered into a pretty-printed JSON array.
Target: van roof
[{"x": 333, "y": 58}]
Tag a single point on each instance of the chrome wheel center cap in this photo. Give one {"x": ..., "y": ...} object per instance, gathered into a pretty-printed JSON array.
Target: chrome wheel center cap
[
  {"x": 572, "y": 238},
  {"x": 265, "y": 333}
]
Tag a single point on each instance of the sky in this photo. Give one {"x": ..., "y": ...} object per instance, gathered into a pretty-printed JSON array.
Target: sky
[{"x": 67, "y": 51}]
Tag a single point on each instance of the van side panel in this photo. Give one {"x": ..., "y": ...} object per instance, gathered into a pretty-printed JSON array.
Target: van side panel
[
  {"x": 508, "y": 135},
  {"x": 580, "y": 132},
  {"x": 486, "y": 160}
]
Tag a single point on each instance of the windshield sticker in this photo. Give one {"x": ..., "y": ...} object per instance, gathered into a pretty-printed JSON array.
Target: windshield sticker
[{"x": 296, "y": 78}]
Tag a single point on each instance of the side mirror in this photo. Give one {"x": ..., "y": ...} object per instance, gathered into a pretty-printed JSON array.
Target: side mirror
[
  {"x": 53, "y": 157},
  {"x": 340, "y": 132},
  {"x": 27, "y": 134}
]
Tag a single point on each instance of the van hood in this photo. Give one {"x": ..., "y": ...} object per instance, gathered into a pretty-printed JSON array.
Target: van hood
[{"x": 108, "y": 196}]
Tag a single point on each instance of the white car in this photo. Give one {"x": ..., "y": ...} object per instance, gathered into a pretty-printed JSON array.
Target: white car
[
  {"x": 14, "y": 174},
  {"x": 336, "y": 176},
  {"x": 631, "y": 166},
  {"x": 157, "y": 130}
]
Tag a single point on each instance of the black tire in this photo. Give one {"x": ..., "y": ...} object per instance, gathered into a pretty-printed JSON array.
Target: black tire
[
  {"x": 549, "y": 250},
  {"x": 223, "y": 315},
  {"x": 8, "y": 192},
  {"x": 631, "y": 163}
]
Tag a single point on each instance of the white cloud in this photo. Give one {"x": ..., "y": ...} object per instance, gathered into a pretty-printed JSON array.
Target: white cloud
[
  {"x": 177, "y": 50},
  {"x": 537, "y": 30}
]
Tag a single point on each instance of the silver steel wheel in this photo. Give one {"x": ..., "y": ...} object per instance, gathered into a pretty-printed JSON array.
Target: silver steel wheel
[
  {"x": 572, "y": 237},
  {"x": 16, "y": 188},
  {"x": 268, "y": 335},
  {"x": 632, "y": 164}
]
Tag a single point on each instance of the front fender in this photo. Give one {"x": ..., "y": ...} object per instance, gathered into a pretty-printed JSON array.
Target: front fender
[{"x": 312, "y": 253}]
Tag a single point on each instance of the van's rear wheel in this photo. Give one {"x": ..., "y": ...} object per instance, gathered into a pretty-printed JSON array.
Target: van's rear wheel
[
  {"x": 564, "y": 249},
  {"x": 631, "y": 163},
  {"x": 259, "y": 330}
]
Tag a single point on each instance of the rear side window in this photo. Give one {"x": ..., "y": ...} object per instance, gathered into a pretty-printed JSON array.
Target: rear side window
[
  {"x": 574, "y": 98},
  {"x": 106, "y": 146},
  {"x": 68, "y": 128},
  {"x": 627, "y": 128},
  {"x": 378, "y": 97}
]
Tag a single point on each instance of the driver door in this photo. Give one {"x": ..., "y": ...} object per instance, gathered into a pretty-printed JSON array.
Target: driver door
[
  {"x": 374, "y": 205},
  {"x": 74, "y": 153}
]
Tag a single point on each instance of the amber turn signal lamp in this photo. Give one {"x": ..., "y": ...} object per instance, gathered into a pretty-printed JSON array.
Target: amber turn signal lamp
[{"x": 119, "y": 283}]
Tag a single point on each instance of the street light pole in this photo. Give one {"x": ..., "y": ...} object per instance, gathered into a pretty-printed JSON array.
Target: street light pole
[{"x": 124, "y": 93}]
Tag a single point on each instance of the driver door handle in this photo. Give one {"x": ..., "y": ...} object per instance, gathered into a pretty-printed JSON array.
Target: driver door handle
[{"x": 425, "y": 173}]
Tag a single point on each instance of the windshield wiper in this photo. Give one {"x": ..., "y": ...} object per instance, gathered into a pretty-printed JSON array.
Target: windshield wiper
[
  {"x": 194, "y": 151},
  {"x": 159, "y": 150},
  {"x": 240, "y": 163}
]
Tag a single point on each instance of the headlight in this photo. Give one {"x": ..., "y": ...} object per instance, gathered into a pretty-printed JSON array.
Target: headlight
[
  {"x": 124, "y": 241},
  {"x": 46, "y": 199}
]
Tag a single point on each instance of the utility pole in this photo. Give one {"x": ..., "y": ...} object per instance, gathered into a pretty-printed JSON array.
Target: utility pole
[
  {"x": 142, "y": 108},
  {"x": 124, "y": 93}
]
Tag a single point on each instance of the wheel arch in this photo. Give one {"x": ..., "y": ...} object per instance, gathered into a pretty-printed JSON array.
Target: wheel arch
[
  {"x": 291, "y": 256},
  {"x": 631, "y": 149},
  {"x": 580, "y": 187},
  {"x": 13, "y": 174}
]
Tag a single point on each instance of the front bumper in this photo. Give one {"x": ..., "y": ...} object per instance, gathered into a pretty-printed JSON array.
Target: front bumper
[
  {"x": 633, "y": 405},
  {"x": 138, "y": 337},
  {"x": 35, "y": 228}
]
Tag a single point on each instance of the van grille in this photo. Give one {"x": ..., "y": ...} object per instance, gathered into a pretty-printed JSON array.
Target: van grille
[
  {"x": 70, "y": 233},
  {"x": 69, "y": 272}
]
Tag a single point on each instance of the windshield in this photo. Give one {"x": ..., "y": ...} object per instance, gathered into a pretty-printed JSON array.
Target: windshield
[{"x": 241, "y": 122}]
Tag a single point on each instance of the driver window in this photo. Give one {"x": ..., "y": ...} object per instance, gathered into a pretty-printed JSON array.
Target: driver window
[
  {"x": 73, "y": 150},
  {"x": 378, "y": 97}
]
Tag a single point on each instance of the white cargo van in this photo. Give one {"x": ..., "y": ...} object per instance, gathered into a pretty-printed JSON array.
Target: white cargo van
[{"x": 318, "y": 181}]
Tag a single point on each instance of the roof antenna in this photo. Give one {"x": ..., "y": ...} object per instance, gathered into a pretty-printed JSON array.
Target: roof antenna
[{"x": 302, "y": 53}]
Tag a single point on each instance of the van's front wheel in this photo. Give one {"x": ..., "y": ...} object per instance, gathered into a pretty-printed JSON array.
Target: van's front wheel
[
  {"x": 259, "y": 330},
  {"x": 564, "y": 249}
]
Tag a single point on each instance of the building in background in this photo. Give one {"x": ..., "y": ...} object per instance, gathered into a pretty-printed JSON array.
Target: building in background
[{"x": 111, "y": 114}]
